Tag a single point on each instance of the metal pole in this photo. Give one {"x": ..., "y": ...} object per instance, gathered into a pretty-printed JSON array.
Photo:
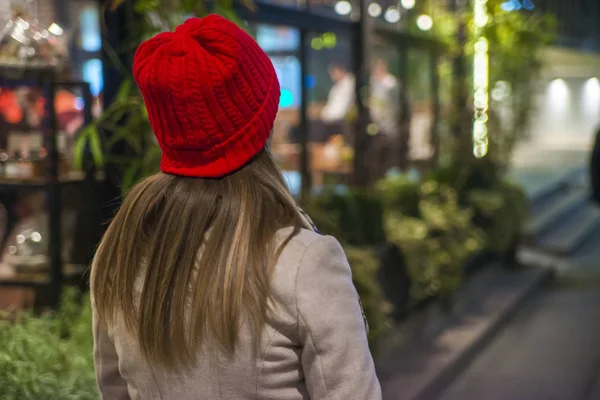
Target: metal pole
[
  {"x": 305, "y": 172},
  {"x": 53, "y": 191},
  {"x": 459, "y": 72},
  {"x": 435, "y": 93},
  {"x": 360, "y": 174}
]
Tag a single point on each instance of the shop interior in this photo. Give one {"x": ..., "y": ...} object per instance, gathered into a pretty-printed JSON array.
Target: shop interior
[{"x": 51, "y": 86}]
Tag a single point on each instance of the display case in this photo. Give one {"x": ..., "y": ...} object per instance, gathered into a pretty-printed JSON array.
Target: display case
[{"x": 44, "y": 199}]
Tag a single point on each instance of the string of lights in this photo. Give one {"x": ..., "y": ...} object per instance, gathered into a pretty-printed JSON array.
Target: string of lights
[
  {"x": 392, "y": 14},
  {"x": 480, "y": 81}
]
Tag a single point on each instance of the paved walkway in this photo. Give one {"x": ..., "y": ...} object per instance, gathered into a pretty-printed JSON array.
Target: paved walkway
[{"x": 551, "y": 351}]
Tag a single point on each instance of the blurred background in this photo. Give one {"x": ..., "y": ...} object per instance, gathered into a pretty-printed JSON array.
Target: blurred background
[{"x": 448, "y": 144}]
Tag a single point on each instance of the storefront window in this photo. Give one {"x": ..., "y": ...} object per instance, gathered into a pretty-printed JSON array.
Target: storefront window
[
  {"x": 331, "y": 107},
  {"x": 90, "y": 39},
  {"x": 43, "y": 47},
  {"x": 390, "y": 111},
  {"x": 282, "y": 43},
  {"x": 445, "y": 122},
  {"x": 86, "y": 44},
  {"x": 420, "y": 95}
]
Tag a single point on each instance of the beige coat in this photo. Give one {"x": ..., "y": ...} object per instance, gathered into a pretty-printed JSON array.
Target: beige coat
[{"x": 314, "y": 346}]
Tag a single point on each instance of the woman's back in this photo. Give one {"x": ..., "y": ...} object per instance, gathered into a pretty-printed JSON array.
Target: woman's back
[
  {"x": 209, "y": 282},
  {"x": 314, "y": 345}
]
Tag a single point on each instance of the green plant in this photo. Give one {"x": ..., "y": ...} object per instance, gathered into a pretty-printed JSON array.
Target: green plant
[
  {"x": 499, "y": 207},
  {"x": 436, "y": 242},
  {"x": 50, "y": 356},
  {"x": 354, "y": 216},
  {"x": 515, "y": 41},
  {"x": 500, "y": 212},
  {"x": 364, "y": 266},
  {"x": 400, "y": 194}
]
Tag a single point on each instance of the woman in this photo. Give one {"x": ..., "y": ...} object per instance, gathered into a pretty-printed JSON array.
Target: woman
[{"x": 209, "y": 283}]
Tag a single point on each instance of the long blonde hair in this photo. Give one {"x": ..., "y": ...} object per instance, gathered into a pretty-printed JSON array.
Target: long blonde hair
[{"x": 158, "y": 233}]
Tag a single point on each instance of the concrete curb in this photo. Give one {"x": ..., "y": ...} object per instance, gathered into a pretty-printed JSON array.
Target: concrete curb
[
  {"x": 429, "y": 368},
  {"x": 445, "y": 377}
]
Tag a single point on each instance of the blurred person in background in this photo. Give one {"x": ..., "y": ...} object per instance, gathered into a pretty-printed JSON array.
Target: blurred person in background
[
  {"x": 332, "y": 119},
  {"x": 385, "y": 113},
  {"x": 210, "y": 283}
]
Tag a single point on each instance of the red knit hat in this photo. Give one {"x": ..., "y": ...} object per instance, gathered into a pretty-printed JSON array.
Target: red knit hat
[{"x": 211, "y": 94}]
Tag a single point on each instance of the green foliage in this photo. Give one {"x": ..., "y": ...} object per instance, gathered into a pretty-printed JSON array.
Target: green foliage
[
  {"x": 500, "y": 208},
  {"x": 354, "y": 217},
  {"x": 515, "y": 40},
  {"x": 364, "y": 266},
  {"x": 50, "y": 356},
  {"x": 400, "y": 194},
  {"x": 437, "y": 239},
  {"x": 500, "y": 212}
]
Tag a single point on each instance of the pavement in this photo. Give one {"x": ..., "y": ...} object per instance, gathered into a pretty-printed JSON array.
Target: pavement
[
  {"x": 550, "y": 351},
  {"x": 426, "y": 353}
]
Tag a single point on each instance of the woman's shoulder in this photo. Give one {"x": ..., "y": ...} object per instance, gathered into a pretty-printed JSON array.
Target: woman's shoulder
[
  {"x": 305, "y": 241},
  {"x": 306, "y": 251},
  {"x": 298, "y": 242}
]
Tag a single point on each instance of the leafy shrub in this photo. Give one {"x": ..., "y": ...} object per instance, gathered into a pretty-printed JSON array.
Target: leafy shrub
[
  {"x": 400, "y": 194},
  {"x": 500, "y": 213},
  {"x": 499, "y": 207},
  {"x": 50, "y": 356},
  {"x": 437, "y": 242},
  {"x": 354, "y": 217},
  {"x": 364, "y": 266}
]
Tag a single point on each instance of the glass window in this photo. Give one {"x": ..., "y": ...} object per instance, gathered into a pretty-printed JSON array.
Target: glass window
[
  {"x": 389, "y": 111},
  {"x": 281, "y": 44},
  {"x": 277, "y": 38},
  {"x": 444, "y": 128},
  {"x": 419, "y": 92},
  {"x": 90, "y": 29},
  {"x": 86, "y": 44},
  {"x": 331, "y": 107},
  {"x": 92, "y": 73}
]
